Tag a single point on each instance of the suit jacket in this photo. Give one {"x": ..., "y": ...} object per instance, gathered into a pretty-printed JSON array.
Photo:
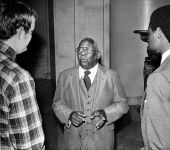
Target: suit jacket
[
  {"x": 109, "y": 95},
  {"x": 155, "y": 110}
]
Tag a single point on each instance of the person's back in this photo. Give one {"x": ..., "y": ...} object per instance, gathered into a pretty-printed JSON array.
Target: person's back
[{"x": 20, "y": 119}]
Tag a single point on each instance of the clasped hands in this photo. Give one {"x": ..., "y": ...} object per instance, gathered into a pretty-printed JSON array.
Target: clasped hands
[{"x": 77, "y": 118}]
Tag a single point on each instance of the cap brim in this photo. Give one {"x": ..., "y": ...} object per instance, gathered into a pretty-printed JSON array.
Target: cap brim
[
  {"x": 141, "y": 31},
  {"x": 143, "y": 34}
]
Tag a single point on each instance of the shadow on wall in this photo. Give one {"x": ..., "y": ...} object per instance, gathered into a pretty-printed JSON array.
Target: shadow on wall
[{"x": 45, "y": 89}]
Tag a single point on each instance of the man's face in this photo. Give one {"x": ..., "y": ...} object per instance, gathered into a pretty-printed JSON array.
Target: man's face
[
  {"x": 87, "y": 56},
  {"x": 25, "y": 38},
  {"x": 153, "y": 41}
]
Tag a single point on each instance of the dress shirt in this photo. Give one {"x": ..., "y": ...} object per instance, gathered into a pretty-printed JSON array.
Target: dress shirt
[
  {"x": 91, "y": 75},
  {"x": 165, "y": 55},
  {"x": 20, "y": 119}
]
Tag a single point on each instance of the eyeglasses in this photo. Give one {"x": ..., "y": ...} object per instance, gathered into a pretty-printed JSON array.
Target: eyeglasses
[{"x": 86, "y": 50}]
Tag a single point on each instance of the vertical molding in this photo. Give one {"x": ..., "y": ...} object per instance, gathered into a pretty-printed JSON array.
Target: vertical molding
[
  {"x": 64, "y": 26},
  {"x": 75, "y": 32},
  {"x": 48, "y": 43},
  {"x": 103, "y": 59},
  {"x": 106, "y": 32},
  {"x": 51, "y": 43}
]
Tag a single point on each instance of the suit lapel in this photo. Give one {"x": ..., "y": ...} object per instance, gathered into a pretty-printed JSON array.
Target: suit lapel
[
  {"x": 101, "y": 79},
  {"x": 74, "y": 83}
]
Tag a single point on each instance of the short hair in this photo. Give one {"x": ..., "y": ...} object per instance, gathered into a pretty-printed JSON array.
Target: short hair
[
  {"x": 90, "y": 41},
  {"x": 161, "y": 18},
  {"x": 13, "y": 15}
]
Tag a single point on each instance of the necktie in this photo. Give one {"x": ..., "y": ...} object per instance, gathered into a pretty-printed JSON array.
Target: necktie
[{"x": 87, "y": 79}]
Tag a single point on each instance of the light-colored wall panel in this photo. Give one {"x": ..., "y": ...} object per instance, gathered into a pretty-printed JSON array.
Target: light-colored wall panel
[
  {"x": 74, "y": 20},
  {"x": 127, "y": 50},
  {"x": 64, "y": 34},
  {"x": 91, "y": 20}
]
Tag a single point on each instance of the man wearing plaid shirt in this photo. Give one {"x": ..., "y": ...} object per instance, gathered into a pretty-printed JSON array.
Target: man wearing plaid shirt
[{"x": 20, "y": 119}]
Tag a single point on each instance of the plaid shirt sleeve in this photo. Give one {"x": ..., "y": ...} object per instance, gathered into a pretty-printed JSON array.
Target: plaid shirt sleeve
[{"x": 21, "y": 116}]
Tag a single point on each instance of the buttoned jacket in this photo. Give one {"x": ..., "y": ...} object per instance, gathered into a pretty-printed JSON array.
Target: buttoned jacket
[
  {"x": 109, "y": 95},
  {"x": 155, "y": 109}
]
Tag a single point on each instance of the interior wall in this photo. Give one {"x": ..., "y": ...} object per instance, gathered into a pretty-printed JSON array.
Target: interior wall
[
  {"x": 75, "y": 20},
  {"x": 127, "y": 50}
]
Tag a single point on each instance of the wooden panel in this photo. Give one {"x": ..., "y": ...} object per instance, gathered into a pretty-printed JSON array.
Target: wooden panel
[
  {"x": 106, "y": 33},
  {"x": 74, "y": 20},
  {"x": 92, "y": 20},
  {"x": 64, "y": 34}
]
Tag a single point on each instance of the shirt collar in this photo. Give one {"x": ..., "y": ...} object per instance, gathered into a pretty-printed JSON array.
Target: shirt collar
[
  {"x": 91, "y": 75},
  {"x": 165, "y": 55},
  {"x": 7, "y": 51}
]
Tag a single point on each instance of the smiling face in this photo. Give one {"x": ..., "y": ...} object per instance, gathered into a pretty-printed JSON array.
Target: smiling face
[{"x": 87, "y": 55}]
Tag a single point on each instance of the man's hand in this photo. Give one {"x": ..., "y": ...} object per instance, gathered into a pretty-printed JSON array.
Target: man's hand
[
  {"x": 102, "y": 115},
  {"x": 77, "y": 118}
]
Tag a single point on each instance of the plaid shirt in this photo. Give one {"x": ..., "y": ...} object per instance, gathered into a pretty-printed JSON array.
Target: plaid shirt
[{"x": 20, "y": 119}]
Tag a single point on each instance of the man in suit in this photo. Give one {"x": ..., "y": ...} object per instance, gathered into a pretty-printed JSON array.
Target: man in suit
[
  {"x": 88, "y": 105},
  {"x": 155, "y": 110}
]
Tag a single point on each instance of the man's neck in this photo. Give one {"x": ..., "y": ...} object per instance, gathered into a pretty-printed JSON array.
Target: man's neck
[{"x": 11, "y": 42}]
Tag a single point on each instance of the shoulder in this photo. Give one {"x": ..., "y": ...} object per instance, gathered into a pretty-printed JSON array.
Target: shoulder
[
  {"x": 69, "y": 71},
  {"x": 13, "y": 73},
  {"x": 107, "y": 71},
  {"x": 163, "y": 70},
  {"x": 158, "y": 81}
]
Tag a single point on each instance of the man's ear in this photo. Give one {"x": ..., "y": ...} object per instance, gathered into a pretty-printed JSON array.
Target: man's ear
[
  {"x": 20, "y": 33},
  {"x": 98, "y": 54},
  {"x": 159, "y": 32}
]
